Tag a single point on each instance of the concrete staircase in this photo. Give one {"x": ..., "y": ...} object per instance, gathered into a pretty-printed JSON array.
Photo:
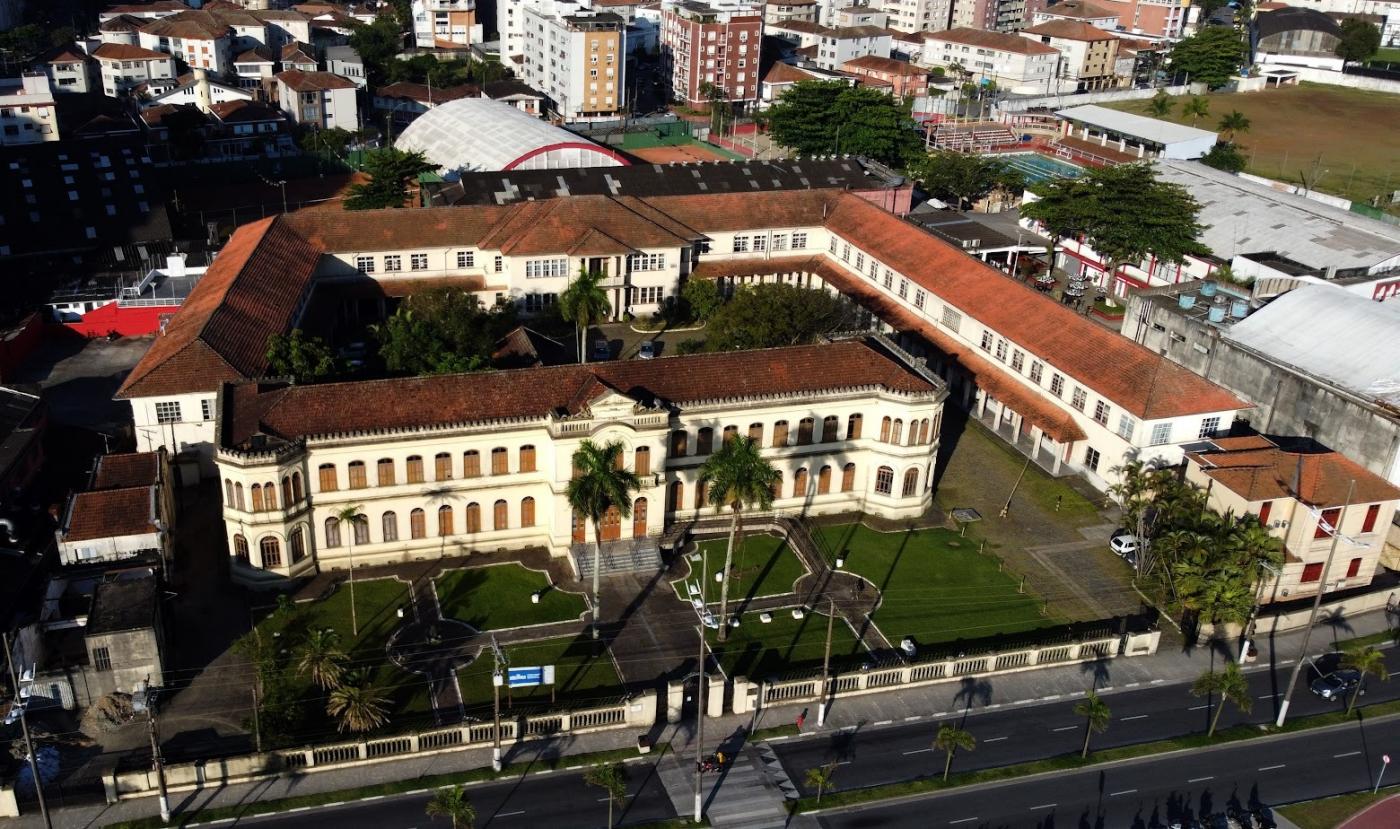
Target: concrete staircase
[{"x": 625, "y": 556}]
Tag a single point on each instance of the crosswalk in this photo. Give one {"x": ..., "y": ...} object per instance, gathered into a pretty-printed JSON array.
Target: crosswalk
[{"x": 749, "y": 794}]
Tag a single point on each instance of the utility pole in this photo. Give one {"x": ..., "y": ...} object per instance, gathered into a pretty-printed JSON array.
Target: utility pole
[
  {"x": 156, "y": 760},
  {"x": 496, "y": 659},
  {"x": 24, "y": 728},
  {"x": 1317, "y": 605},
  {"x": 826, "y": 662},
  {"x": 700, "y": 729}
]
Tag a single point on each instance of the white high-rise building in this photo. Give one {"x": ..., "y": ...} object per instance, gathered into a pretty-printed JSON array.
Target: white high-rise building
[
  {"x": 448, "y": 21},
  {"x": 576, "y": 56}
]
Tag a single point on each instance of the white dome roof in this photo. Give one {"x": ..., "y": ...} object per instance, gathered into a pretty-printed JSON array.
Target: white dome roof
[{"x": 479, "y": 134}]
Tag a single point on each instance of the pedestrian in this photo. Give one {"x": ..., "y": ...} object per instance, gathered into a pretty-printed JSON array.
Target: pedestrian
[
  {"x": 801, "y": 718},
  {"x": 1058, "y": 499}
]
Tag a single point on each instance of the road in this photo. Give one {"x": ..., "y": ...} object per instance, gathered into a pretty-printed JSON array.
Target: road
[
  {"x": 1153, "y": 792},
  {"x": 559, "y": 800},
  {"x": 872, "y": 756}
]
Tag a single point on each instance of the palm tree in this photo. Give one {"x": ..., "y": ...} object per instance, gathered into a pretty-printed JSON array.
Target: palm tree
[
  {"x": 583, "y": 303},
  {"x": 738, "y": 476},
  {"x": 819, "y": 778},
  {"x": 611, "y": 779},
  {"x": 452, "y": 803},
  {"x": 600, "y": 484},
  {"x": 1364, "y": 661},
  {"x": 357, "y": 704},
  {"x": 1233, "y": 123},
  {"x": 1230, "y": 684},
  {"x": 1096, "y": 717},
  {"x": 348, "y": 517},
  {"x": 949, "y": 740},
  {"x": 1197, "y": 108},
  {"x": 321, "y": 659},
  {"x": 1160, "y": 104}
]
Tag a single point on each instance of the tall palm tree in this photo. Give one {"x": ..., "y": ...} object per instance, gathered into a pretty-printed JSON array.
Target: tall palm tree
[
  {"x": 1232, "y": 687},
  {"x": 452, "y": 803},
  {"x": 584, "y": 303},
  {"x": 357, "y": 704},
  {"x": 321, "y": 659},
  {"x": 1232, "y": 123},
  {"x": 600, "y": 483},
  {"x": 819, "y": 778},
  {"x": 1096, "y": 718},
  {"x": 612, "y": 779},
  {"x": 1160, "y": 104},
  {"x": 347, "y": 518},
  {"x": 1197, "y": 108},
  {"x": 739, "y": 477},
  {"x": 949, "y": 740},
  {"x": 1364, "y": 661}
]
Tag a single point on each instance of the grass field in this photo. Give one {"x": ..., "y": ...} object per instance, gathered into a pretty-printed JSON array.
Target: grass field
[
  {"x": 497, "y": 597},
  {"x": 1347, "y": 135},
  {"x": 583, "y": 672},
  {"x": 936, "y": 586},
  {"x": 763, "y": 566},
  {"x": 1330, "y": 812},
  {"x": 1386, "y": 55},
  {"x": 757, "y": 650}
]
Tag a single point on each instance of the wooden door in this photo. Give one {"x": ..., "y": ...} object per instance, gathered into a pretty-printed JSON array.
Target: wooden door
[
  {"x": 639, "y": 518},
  {"x": 580, "y": 529},
  {"x": 612, "y": 524}
]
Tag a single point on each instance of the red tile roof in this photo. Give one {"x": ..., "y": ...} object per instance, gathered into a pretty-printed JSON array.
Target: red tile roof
[
  {"x": 1069, "y": 30},
  {"x": 122, "y": 23},
  {"x": 292, "y": 412},
  {"x": 295, "y": 52},
  {"x": 66, "y": 53},
  {"x": 993, "y": 40},
  {"x": 110, "y": 513},
  {"x": 787, "y": 73},
  {"x": 126, "y": 470},
  {"x": 189, "y": 25},
  {"x": 124, "y": 51},
  {"x": 300, "y": 81},
  {"x": 1079, "y": 10},
  {"x": 257, "y": 54},
  {"x": 1258, "y": 470},
  {"x": 242, "y": 112},
  {"x": 891, "y": 66}
]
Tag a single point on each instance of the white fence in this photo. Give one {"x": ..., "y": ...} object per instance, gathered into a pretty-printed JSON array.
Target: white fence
[
  {"x": 1308, "y": 73},
  {"x": 1080, "y": 98}
]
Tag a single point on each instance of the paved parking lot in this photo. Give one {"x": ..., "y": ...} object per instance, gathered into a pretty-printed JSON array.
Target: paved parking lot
[
  {"x": 79, "y": 377},
  {"x": 623, "y": 340}
]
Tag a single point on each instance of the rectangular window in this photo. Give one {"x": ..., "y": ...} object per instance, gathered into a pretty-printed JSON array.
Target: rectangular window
[
  {"x": 952, "y": 320},
  {"x": 418, "y": 261},
  {"x": 101, "y": 660},
  {"x": 646, "y": 262},
  {"x": 415, "y": 470},
  {"x": 1209, "y": 426},
  {"x": 1312, "y": 572},
  {"x": 393, "y": 263},
  {"x": 384, "y": 473},
  {"x": 328, "y": 482},
  {"x": 206, "y": 409},
  {"x": 799, "y": 241},
  {"x": 1018, "y": 358},
  {"x": 1036, "y": 369},
  {"x": 1091, "y": 459},
  {"x": 1101, "y": 413},
  {"x": 546, "y": 268},
  {"x": 903, "y": 288},
  {"x": 889, "y": 279},
  {"x": 500, "y": 462},
  {"x": 832, "y": 246},
  {"x": 466, "y": 259},
  {"x": 760, "y": 244},
  {"x": 364, "y": 264},
  {"x": 987, "y": 341},
  {"x": 1353, "y": 568},
  {"x": 1126, "y": 427},
  {"x": 499, "y": 264},
  {"x": 1001, "y": 350},
  {"x": 860, "y": 261},
  {"x": 1161, "y": 433},
  {"x": 168, "y": 411},
  {"x": 358, "y": 479},
  {"x": 1372, "y": 513},
  {"x": 442, "y": 467},
  {"x": 741, "y": 244},
  {"x": 1057, "y": 385},
  {"x": 845, "y": 252},
  {"x": 780, "y": 241},
  {"x": 1080, "y": 398},
  {"x": 1328, "y": 524},
  {"x": 919, "y": 299}
]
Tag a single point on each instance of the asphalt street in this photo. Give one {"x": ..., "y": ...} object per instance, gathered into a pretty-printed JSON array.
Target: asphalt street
[
  {"x": 560, "y": 799},
  {"x": 1148, "y": 793},
  {"x": 871, "y": 756}
]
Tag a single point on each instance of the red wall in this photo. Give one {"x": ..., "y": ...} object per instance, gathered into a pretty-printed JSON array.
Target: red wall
[
  {"x": 18, "y": 342},
  {"x": 128, "y": 322}
]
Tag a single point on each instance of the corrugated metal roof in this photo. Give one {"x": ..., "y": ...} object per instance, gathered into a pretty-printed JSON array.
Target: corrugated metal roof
[{"x": 1135, "y": 126}]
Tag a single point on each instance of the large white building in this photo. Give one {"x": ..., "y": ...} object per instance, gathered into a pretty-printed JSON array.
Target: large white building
[
  {"x": 1013, "y": 63},
  {"x": 124, "y": 67},
  {"x": 575, "y": 56},
  {"x": 445, "y": 23},
  {"x": 27, "y": 111}
]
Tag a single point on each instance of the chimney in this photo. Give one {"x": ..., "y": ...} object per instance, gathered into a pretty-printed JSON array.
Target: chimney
[{"x": 203, "y": 98}]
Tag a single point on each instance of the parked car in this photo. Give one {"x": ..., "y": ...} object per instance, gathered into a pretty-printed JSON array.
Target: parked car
[
  {"x": 601, "y": 350},
  {"x": 1125, "y": 546},
  {"x": 647, "y": 350},
  {"x": 1337, "y": 684}
]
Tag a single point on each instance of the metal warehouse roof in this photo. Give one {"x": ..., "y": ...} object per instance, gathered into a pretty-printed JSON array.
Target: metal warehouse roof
[
  {"x": 481, "y": 134},
  {"x": 1140, "y": 127}
]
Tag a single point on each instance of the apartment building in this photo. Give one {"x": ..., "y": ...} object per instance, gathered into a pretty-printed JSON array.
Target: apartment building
[
  {"x": 1083, "y": 11},
  {"x": 902, "y": 79},
  {"x": 199, "y": 39},
  {"x": 576, "y": 57},
  {"x": 318, "y": 99},
  {"x": 122, "y": 68},
  {"x": 712, "y": 43},
  {"x": 68, "y": 69},
  {"x": 1013, "y": 63},
  {"x": 785, "y": 10},
  {"x": 1088, "y": 54},
  {"x": 27, "y": 111},
  {"x": 446, "y": 23},
  {"x": 917, "y": 15},
  {"x": 836, "y": 47},
  {"x": 1163, "y": 18}
]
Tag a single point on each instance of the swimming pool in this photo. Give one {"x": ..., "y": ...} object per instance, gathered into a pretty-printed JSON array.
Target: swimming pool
[{"x": 1036, "y": 167}]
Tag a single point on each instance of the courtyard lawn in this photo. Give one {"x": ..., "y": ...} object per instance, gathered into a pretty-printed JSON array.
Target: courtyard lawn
[
  {"x": 936, "y": 586},
  {"x": 1051, "y": 495},
  {"x": 763, "y": 566},
  {"x": 498, "y": 597},
  {"x": 1345, "y": 137},
  {"x": 583, "y": 670},
  {"x": 760, "y": 651}
]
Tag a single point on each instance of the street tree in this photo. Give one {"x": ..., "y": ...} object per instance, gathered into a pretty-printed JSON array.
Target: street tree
[
  {"x": 951, "y": 740},
  {"x": 442, "y": 331},
  {"x": 390, "y": 170},
  {"x": 299, "y": 356},
  {"x": 1096, "y": 716},
  {"x": 801, "y": 118},
  {"x": 600, "y": 485},
  {"x": 357, "y": 704},
  {"x": 1211, "y": 56},
  {"x": 347, "y": 519},
  {"x": 1197, "y": 108},
  {"x": 960, "y": 178},
  {"x": 612, "y": 779},
  {"x": 321, "y": 658},
  {"x": 1230, "y": 685},
  {"x": 1364, "y": 660},
  {"x": 1160, "y": 104},
  {"x": 378, "y": 44},
  {"x": 1232, "y": 124},
  {"x": 739, "y": 477},
  {"x": 819, "y": 778},
  {"x": 826, "y": 117},
  {"x": 584, "y": 303},
  {"x": 1359, "y": 42},
  {"x": 452, "y": 803},
  {"x": 776, "y": 314}
]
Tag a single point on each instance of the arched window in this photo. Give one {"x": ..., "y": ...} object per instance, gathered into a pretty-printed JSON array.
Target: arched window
[
  {"x": 500, "y": 461},
  {"x": 730, "y": 433},
  {"x": 228, "y": 492},
  {"x": 830, "y": 425},
  {"x": 271, "y": 550},
  {"x": 471, "y": 464},
  {"x": 358, "y": 480},
  {"x": 641, "y": 460},
  {"x": 413, "y": 470},
  {"x": 620, "y": 461},
  {"x": 500, "y": 516},
  {"x": 327, "y": 475},
  {"x": 256, "y": 492},
  {"x": 287, "y": 499},
  {"x": 384, "y": 472},
  {"x": 804, "y": 431},
  {"x": 389, "y": 526},
  {"x": 444, "y": 520},
  {"x": 705, "y": 441},
  {"x": 756, "y": 433},
  {"x": 527, "y": 458},
  {"x": 679, "y": 439},
  {"x": 913, "y": 432},
  {"x": 417, "y": 524},
  {"x": 911, "y": 483},
  {"x": 527, "y": 512},
  {"x": 799, "y": 483},
  {"x": 332, "y": 532},
  {"x": 824, "y": 480},
  {"x": 853, "y": 424},
  {"x": 296, "y": 487},
  {"x": 269, "y": 496},
  {"x": 639, "y": 518},
  {"x": 240, "y": 548},
  {"x": 884, "y": 480},
  {"x": 848, "y": 477},
  {"x": 473, "y": 517},
  {"x": 361, "y": 527},
  {"x": 885, "y": 430},
  {"x": 780, "y": 433},
  {"x": 675, "y": 495},
  {"x": 238, "y": 497},
  {"x": 777, "y": 486},
  {"x": 442, "y": 467},
  {"x": 702, "y": 494},
  {"x": 896, "y": 431},
  {"x": 298, "y": 545}
]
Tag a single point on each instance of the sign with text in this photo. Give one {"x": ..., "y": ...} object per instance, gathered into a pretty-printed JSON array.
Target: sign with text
[{"x": 527, "y": 676}]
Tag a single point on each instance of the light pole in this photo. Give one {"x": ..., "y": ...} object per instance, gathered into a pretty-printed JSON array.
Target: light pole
[
  {"x": 826, "y": 663},
  {"x": 1248, "y": 640},
  {"x": 700, "y": 728},
  {"x": 24, "y": 728},
  {"x": 1385, "y": 761},
  {"x": 496, "y": 681}
]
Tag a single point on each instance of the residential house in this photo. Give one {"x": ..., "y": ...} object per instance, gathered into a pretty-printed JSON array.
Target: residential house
[
  {"x": 901, "y": 78},
  {"x": 917, "y": 15},
  {"x": 346, "y": 62},
  {"x": 846, "y": 16},
  {"x": 254, "y": 67},
  {"x": 1013, "y": 63},
  {"x": 438, "y": 23},
  {"x": 402, "y": 102},
  {"x": 122, "y": 29},
  {"x": 68, "y": 69},
  {"x": 298, "y": 56},
  {"x": 123, "y": 67},
  {"x": 154, "y": 10},
  {"x": 782, "y": 76},
  {"x": 714, "y": 44},
  {"x": 199, "y": 39},
  {"x": 1160, "y": 18},
  {"x": 318, "y": 98},
  {"x": 27, "y": 111},
  {"x": 196, "y": 89},
  {"x": 1082, "y": 11},
  {"x": 1088, "y": 54},
  {"x": 782, "y": 11},
  {"x": 837, "y": 46},
  {"x": 127, "y": 512},
  {"x": 518, "y": 94}
]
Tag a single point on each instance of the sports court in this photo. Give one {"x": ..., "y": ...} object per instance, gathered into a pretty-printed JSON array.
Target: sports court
[
  {"x": 671, "y": 143},
  {"x": 683, "y": 153}
]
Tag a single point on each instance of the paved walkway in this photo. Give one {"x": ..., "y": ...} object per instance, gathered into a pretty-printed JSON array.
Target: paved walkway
[{"x": 1382, "y": 815}]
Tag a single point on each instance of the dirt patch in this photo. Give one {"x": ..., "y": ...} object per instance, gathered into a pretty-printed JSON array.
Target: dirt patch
[{"x": 683, "y": 153}]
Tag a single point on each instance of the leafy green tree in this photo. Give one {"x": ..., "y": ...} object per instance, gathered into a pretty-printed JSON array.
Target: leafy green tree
[
  {"x": 24, "y": 43},
  {"x": 739, "y": 478},
  {"x": 1197, "y": 108},
  {"x": 702, "y": 297},
  {"x": 442, "y": 331},
  {"x": 1232, "y": 124},
  {"x": 775, "y": 314},
  {"x": 1366, "y": 660},
  {"x": 819, "y": 778},
  {"x": 584, "y": 303},
  {"x": 321, "y": 658},
  {"x": 1160, "y": 105},
  {"x": 1211, "y": 56},
  {"x": 1096, "y": 716},
  {"x": 1230, "y": 684},
  {"x": 801, "y": 118},
  {"x": 612, "y": 779},
  {"x": 390, "y": 170},
  {"x": 300, "y": 357},
  {"x": 357, "y": 704},
  {"x": 334, "y": 141},
  {"x": 1359, "y": 42},
  {"x": 378, "y": 44},
  {"x": 600, "y": 484},
  {"x": 825, "y": 117},
  {"x": 950, "y": 740},
  {"x": 961, "y": 178},
  {"x": 1227, "y": 157},
  {"x": 452, "y": 803}
]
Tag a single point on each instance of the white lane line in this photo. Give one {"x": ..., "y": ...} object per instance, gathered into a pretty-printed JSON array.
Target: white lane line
[
  {"x": 510, "y": 814},
  {"x": 1132, "y": 685},
  {"x": 914, "y": 718},
  {"x": 1343, "y": 754},
  {"x": 922, "y": 751},
  {"x": 885, "y": 722},
  {"x": 1200, "y": 779},
  {"x": 1266, "y": 696},
  {"x": 1157, "y": 681},
  {"x": 375, "y": 797},
  {"x": 1125, "y": 791},
  {"x": 1043, "y": 806},
  {"x": 1052, "y": 696},
  {"x": 1197, "y": 707},
  {"x": 1271, "y": 768},
  {"x": 299, "y": 809},
  {"x": 1133, "y": 717},
  {"x": 996, "y": 705},
  {"x": 1067, "y": 728},
  {"x": 999, "y": 739},
  {"x": 961, "y": 820}
]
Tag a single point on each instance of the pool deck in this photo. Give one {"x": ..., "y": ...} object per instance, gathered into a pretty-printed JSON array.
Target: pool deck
[{"x": 1042, "y": 166}]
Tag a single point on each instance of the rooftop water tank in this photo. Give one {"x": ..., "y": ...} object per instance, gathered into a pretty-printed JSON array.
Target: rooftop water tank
[
  {"x": 1186, "y": 301},
  {"x": 1217, "y": 313},
  {"x": 1208, "y": 288},
  {"x": 1239, "y": 309}
]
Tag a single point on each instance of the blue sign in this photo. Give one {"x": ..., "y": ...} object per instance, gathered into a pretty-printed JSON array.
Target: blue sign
[{"x": 528, "y": 676}]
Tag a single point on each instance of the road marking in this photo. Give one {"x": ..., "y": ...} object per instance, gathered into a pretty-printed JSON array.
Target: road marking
[
  {"x": 1052, "y": 696},
  {"x": 375, "y": 797},
  {"x": 1133, "y": 717},
  {"x": 963, "y": 820},
  {"x": 1132, "y": 685},
  {"x": 1197, "y": 707},
  {"x": 1200, "y": 779},
  {"x": 1271, "y": 768},
  {"x": 922, "y": 751},
  {"x": 1067, "y": 728},
  {"x": 307, "y": 808},
  {"x": 914, "y": 718},
  {"x": 1157, "y": 681},
  {"x": 1267, "y": 696},
  {"x": 1125, "y": 791},
  {"x": 994, "y": 739},
  {"x": 513, "y": 814},
  {"x": 1346, "y": 754},
  {"x": 1044, "y": 806},
  {"x": 885, "y": 722},
  {"x": 990, "y": 707}
]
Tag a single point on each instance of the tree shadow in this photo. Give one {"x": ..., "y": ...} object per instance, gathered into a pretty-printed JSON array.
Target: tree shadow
[
  {"x": 1098, "y": 670},
  {"x": 1336, "y": 619}
]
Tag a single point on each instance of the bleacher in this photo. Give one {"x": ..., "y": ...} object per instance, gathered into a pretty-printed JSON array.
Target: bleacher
[{"x": 979, "y": 137}]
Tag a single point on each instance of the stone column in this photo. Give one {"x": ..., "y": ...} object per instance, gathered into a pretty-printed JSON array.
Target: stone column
[{"x": 675, "y": 698}]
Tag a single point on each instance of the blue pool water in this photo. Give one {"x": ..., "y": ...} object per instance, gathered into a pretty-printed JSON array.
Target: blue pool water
[{"x": 1036, "y": 167}]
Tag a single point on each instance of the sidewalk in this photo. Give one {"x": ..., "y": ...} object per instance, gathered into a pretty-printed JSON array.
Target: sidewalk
[{"x": 1170, "y": 665}]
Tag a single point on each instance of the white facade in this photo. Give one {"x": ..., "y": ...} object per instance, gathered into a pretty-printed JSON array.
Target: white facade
[
  {"x": 917, "y": 15},
  {"x": 69, "y": 75},
  {"x": 840, "y": 45},
  {"x": 1020, "y": 68},
  {"x": 27, "y": 113},
  {"x": 125, "y": 67},
  {"x": 576, "y": 57},
  {"x": 452, "y": 21},
  {"x": 216, "y": 93},
  {"x": 316, "y": 105},
  {"x": 213, "y": 54},
  {"x": 345, "y": 62}
]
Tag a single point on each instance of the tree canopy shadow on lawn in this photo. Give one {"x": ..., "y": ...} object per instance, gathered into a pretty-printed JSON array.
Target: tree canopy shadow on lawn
[
  {"x": 584, "y": 673},
  {"x": 496, "y": 597},
  {"x": 785, "y": 645}
]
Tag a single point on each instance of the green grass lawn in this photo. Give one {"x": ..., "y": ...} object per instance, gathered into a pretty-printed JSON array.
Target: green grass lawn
[
  {"x": 759, "y": 651},
  {"x": 936, "y": 586},
  {"x": 1046, "y": 492},
  {"x": 763, "y": 566},
  {"x": 583, "y": 672},
  {"x": 1330, "y": 812},
  {"x": 1386, "y": 55},
  {"x": 498, "y": 597}
]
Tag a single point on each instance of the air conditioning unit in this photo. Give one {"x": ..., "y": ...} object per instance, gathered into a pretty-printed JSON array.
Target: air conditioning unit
[{"x": 1279, "y": 524}]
